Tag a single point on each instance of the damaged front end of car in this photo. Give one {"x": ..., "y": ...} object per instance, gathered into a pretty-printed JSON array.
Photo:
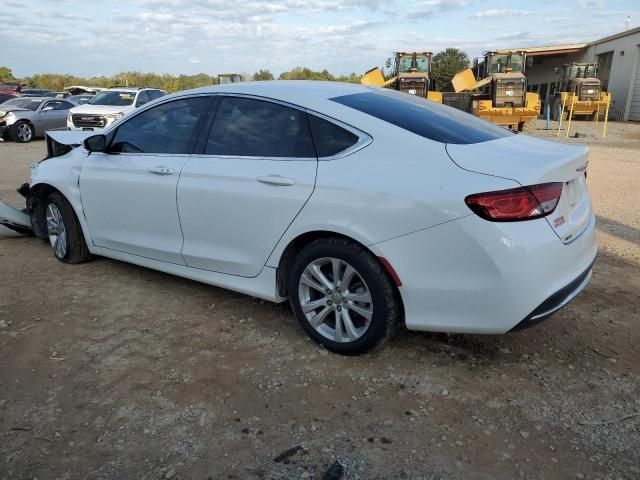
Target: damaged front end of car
[{"x": 30, "y": 220}]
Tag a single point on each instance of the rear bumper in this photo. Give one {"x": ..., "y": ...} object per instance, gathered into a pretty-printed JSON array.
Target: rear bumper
[
  {"x": 556, "y": 301},
  {"x": 474, "y": 276}
]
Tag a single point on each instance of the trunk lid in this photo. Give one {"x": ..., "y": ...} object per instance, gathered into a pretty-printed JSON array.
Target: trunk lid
[{"x": 530, "y": 161}]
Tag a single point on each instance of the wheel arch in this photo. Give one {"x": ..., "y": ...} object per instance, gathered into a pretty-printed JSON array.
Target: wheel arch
[
  {"x": 36, "y": 203},
  {"x": 296, "y": 245}
]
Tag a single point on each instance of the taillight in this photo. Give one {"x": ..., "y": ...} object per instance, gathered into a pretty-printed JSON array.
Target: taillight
[{"x": 515, "y": 204}]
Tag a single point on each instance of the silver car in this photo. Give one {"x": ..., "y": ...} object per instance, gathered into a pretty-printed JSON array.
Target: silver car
[{"x": 25, "y": 118}]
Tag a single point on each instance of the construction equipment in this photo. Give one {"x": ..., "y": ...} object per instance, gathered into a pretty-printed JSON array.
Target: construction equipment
[
  {"x": 496, "y": 90},
  {"x": 579, "y": 80},
  {"x": 224, "y": 78},
  {"x": 412, "y": 74}
]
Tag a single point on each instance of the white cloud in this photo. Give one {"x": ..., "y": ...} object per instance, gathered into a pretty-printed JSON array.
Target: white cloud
[{"x": 500, "y": 13}]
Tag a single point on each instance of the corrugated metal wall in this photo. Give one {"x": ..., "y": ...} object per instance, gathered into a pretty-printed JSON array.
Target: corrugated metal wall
[{"x": 623, "y": 70}]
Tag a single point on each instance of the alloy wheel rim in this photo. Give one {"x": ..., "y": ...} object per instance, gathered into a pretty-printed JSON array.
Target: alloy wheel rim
[
  {"x": 56, "y": 231},
  {"x": 335, "y": 300},
  {"x": 24, "y": 132}
]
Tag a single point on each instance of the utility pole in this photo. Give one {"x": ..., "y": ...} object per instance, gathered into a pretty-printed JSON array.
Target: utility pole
[{"x": 628, "y": 21}]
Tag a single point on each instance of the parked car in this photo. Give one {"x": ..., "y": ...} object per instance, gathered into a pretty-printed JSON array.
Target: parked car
[
  {"x": 24, "y": 118},
  {"x": 36, "y": 92},
  {"x": 108, "y": 106},
  {"x": 80, "y": 99},
  {"x": 364, "y": 207},
  {"x": 6, "y": 96},
  {"x": 12, "y": 88}
]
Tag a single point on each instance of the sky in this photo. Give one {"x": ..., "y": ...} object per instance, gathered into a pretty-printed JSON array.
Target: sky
[{"x": 94, "y": 37}]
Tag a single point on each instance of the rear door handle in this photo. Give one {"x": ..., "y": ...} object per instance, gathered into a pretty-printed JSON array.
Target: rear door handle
[
  {"x": 276, "y": 180},
  {"x": 162, "y": 171}
]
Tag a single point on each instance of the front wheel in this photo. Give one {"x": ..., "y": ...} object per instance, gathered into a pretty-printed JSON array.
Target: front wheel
[
  {"x": 63, "y": 230},
  {"x": 342, "y": 296},
  {"x": 22, "y": 132}
]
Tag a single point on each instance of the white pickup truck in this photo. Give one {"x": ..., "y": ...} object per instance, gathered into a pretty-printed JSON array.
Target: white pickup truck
[{"x": 108, "y": 106}]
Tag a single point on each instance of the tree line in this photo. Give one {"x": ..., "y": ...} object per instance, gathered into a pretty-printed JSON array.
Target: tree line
[{"x": 445, "y": 65}]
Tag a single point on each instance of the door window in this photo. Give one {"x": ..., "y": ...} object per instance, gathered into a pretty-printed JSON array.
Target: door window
[
  {"x": 167, "y": 128},
  {"x": 330, "y": 139},
  {"x": 256, "y": 128},
  {"x": 143, "y": 97}
]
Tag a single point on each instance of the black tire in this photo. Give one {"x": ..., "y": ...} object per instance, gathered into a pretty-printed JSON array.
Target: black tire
[
  {"x": 17, "y": 136},
  {"x": 386, "y": 305},
  {"x": 76, "y": 250}
]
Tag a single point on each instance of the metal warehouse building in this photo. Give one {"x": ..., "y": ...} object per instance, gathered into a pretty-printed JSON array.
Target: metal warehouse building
[{"x": 618, "y": 59}]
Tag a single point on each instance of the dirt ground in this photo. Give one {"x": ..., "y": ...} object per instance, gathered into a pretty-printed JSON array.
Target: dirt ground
[{"x": 112, "y": 371}]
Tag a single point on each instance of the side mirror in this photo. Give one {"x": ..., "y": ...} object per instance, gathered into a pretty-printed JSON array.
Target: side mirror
[
  {"x": 96, "y": 143},
  {"x": 387, "y": 63}
]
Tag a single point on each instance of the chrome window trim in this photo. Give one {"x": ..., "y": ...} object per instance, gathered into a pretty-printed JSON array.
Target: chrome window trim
[{"x": 364, "y": 139}]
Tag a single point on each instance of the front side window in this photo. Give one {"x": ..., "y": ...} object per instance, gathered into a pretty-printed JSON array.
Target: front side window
[
  {"x": 143, "y": 97},
  {"x": 255, "y": 128},
  {"x": 59, "y": 105},
  {"x": 423, "y": 117},
  {"x": 113, "y": 98},
  {"x": 167, "y": 128}
]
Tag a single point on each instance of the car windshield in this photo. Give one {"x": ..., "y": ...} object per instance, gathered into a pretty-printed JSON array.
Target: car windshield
[
  {"x": 26, "y": 103},
  {"x": 406, "y": 63},
  {"x": 113, "y": 98}
]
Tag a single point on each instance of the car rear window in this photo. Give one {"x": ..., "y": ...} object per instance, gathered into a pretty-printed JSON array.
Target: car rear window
[
  {"x": 423, "y": 117},
  {"x": 329, "y": 138}
]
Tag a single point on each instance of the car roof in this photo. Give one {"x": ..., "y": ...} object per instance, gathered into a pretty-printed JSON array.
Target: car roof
[
  {"x": 294, "y": 91},
  {"x": 128, "y": 89},
  {"x": 39, "y": 98}
]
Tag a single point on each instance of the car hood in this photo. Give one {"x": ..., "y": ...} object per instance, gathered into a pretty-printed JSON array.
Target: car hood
[
  {"x": 100, "y": 109},
  {"x": 8, "y": 108}
]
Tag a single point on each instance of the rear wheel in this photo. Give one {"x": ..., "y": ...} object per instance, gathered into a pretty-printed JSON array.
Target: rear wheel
[
  {"x": 22, "y": 132},
  {"x": 63, "y": 230},
  {"x": 342, "y": 296}
]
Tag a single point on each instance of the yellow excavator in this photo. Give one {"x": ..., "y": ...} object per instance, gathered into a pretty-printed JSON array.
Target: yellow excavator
[
  {"x": 497, "y": 90},
  {"x": 412, "y": 74}
]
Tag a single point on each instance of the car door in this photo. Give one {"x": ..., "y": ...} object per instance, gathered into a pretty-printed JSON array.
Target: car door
[
  {"x": 253, "y": 175},
  {"x": 53, "y": 114},
  {"x": 129, "y": 191}
]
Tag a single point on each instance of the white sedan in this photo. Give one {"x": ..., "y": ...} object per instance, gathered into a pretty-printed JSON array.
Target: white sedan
[{"x": 365, "y": 208}]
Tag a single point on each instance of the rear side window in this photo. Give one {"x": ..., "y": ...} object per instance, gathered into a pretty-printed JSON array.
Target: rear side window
[
  {"x": 247, "y": 127},
  {"x": 424, "y": 117},
  {"x": 329, "y": 138}
]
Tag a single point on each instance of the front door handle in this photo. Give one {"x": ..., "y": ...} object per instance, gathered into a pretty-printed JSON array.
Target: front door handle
[
  {"x": 276, "y": 180},
  {"x": 162, "y": 171}
]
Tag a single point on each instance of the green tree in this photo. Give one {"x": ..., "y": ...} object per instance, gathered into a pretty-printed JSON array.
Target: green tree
[
  {"x": 304, "y": 73},
  {"x": 445, "y": 65},
  {"x": 6, "y": 75},
  {"x": 263, "y": 75}
]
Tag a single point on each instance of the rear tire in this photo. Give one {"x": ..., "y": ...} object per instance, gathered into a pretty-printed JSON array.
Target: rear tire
[
  {"x": 63, "y": 230},
  {"x": 342, "y": 296},
  {"x": 22, "y": 132}
]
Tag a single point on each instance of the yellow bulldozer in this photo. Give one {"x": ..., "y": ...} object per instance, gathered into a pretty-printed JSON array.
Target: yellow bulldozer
[
  {"x": 497, "y": 90},
  {"x": 579, "y": 90},
  {"x": 412, "y": 74}
]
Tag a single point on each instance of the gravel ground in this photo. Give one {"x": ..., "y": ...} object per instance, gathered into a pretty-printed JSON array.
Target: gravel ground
[{"x": 112, "y": 371}]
